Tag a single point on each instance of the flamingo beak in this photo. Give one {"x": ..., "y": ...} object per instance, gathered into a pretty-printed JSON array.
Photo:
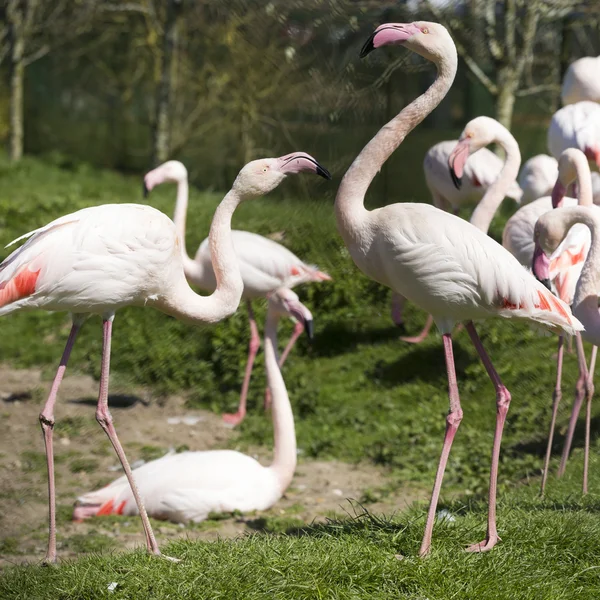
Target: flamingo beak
[
  {"x": 558, "y": 193},
  {"x": 388, "y": 33},
  {"x": 541, "y": 266},
  {"x": 457, "y": 160},
  {"x": 300, "y": 161},
  {"x": 299, "y": 312},
  {"x": 145, "y": 189}
]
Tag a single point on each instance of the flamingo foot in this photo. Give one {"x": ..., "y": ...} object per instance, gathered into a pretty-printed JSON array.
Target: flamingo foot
[
  {"x": 165, "y": 557},
  {"x": 234, "y": 419},
  {"x": 484, "y": 546}
]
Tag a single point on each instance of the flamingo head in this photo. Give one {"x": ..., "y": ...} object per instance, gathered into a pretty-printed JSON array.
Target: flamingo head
[
  {"x": 568, "y": 162},
  {"x": 262, "y": 176},
  {"x": 285, "y": 303},
  {"x": 172, "y": 171},
  {"x": 477, "y": 134},
  {"x": 550, "y": 230},
  {"x": 430, "y": 40}
]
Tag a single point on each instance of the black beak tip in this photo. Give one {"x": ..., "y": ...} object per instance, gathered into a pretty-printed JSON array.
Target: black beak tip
[
  {"x": 309, "y": 328},
  {"x": 146, "y": 191},
  {"x": 457, "y": 181},
  {"x": 323, "y": 172},
  {"x": 546, "y": 283},
  {"x": 368, "y": 47}
]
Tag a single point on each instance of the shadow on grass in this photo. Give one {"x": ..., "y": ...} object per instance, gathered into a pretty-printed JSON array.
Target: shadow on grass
[{"x": 114, "y": 401}]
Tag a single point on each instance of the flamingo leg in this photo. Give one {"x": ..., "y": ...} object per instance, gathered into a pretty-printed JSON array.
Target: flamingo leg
[
  {"x": 105, "y": 420},
  {"x": 579, "y": 394},
  {"x": 502, "y": 403},
  {"x": 47, "y": 423},
  {"x": 398, "y": 303},
  {"x": 417, "y": 339},
  {"x": 556, "y": 397},
  {"x": 298, "y": 330},
  {"x": 589, "y": 390},
  {"x": 453, "y": 420},
  {"x": 237, "y": 417}
]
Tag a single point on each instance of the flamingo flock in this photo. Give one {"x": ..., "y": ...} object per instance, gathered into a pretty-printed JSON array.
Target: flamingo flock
[{"x": 97, "y": 260}]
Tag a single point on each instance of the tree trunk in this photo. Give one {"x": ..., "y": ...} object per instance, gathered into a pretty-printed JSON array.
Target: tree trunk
[
  {"x": 508, "y": 83},
  {"x": 17, "y": 77},
  {"x": 162, "y": 122}
]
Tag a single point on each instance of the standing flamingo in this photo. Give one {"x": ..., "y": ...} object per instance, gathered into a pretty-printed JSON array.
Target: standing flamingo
[
  {"x": 537, "y": 177},
  {"x": 438, "y": 261},
  {"x": 191, "y": 485},
  {"x": 576, "y": 126},
  {"x": 499, "y": 183},
  {"x": 582, "y": 81},
  {"x": 265, "y": 266},
  {"x": 99, "y": 259},
  {"x": 550, "y": 232}
]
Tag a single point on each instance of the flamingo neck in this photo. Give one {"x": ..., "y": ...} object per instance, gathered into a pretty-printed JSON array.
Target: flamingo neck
[
  {"x": 486, "y": 209},
  {"x": 183, "y": 303},
  {"x": 284, "y": 454},
  {"x": 585, "y": 196},
  {"x": 193, "y": 270},
  {"x": 349, "y": 203},
  {"x": 585, "y": 302}
]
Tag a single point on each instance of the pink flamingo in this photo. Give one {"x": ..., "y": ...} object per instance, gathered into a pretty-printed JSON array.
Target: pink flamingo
[
  {"x": 438, "y": 261},
  {"x": 576, "y": 126},
  {"x": 189, "y": 486},
  {"x": 565, "y": 266},
  {"x": 582, "y": 81},
  {"x": 265, "y": 266},
  {"x": 550, "y": 231},
  {"x": 97, "y": 260},
  {"x": 498, "y": 180}
]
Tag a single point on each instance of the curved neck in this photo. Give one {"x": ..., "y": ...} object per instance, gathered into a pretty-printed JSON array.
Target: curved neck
[
  {"x": 585, "y": 196},
  {"x": 349, "y": 202},
  {"x": 486, "y": 209},
  {"x": 585, "y": 302},
  {"x": 193, "y": 270},
  {"x": 284, "y": 454},
  {"x": 183, "y": 303}
]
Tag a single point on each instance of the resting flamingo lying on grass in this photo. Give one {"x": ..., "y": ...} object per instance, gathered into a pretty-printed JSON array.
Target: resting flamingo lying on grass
[
  {"x": 443, "y": 264},
  {"x": 189, "y": 486},
  {"x": 265, "y": 266},
  {"x": 97, "y": 260}
]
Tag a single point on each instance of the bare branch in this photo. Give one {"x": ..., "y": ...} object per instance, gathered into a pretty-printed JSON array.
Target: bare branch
[
  {"x": 532, "y": 15},
  {"x": 494, "y": 46},
  {"x": 537, "y": 89},
  {"x": 39, "y": 53},
  {"x": 510, "y": 27},
  {"x": 126, "y": 7},
  {"x": 464, "y": 54}
]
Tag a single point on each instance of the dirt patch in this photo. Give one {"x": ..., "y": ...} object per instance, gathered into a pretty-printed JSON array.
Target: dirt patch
[{"x": 147, "y": 428}]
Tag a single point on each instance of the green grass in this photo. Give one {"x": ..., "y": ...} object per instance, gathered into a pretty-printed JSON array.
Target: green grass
[{"x": 549, "y": 551}]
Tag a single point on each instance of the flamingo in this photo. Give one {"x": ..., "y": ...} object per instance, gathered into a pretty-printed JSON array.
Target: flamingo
[
  {"x": 265, "y": 266},
  {"x": 99, "y": 259},
  {"x": 582, "y": 81},
  {"x": 499, "y": 181},
  {"x": 576, "y": 126},
  {"x": 537, "y": 177},
  {"x": 438, "y": 261},
  {"x": 550, "y": 231},
  {"x": 191, "y": 485}
]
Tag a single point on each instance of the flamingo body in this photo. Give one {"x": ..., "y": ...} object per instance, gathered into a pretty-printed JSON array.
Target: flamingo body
[
  {"x": 582, "y": 81},
  {"x": 188, "y": 487},
  {"x": 537, "y": 177},
  {"x": 576, "y": 126}
]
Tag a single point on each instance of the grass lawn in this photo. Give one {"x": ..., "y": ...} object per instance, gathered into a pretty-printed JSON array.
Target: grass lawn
[{"x": 358, "y": 394}]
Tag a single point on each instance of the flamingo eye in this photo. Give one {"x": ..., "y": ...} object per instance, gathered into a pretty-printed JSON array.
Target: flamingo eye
[
  {"x": 265, "y": 169},
  {"x": 424, "y": 30}
]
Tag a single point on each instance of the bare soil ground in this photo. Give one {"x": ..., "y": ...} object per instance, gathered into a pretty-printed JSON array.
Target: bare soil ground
[{"x": 148, "y": 429}]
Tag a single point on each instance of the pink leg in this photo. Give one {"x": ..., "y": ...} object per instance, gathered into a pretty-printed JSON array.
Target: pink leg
[
  {"x": 579, "y": 394},
  {"x": 453, "y": 420},
  {"x": 105, "y": 420},
  {"x": 47, "y": 423},
  {"x": 556, "y": 397},
  {"x": 502, "y": 404},
  {"x": 238, "y": 417},
  {"x": 424, "y": 333},
  {"x": 589, "y": 390},
  {"x": 398, "y": 302},
  {"x": 298, "y": 330}
]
